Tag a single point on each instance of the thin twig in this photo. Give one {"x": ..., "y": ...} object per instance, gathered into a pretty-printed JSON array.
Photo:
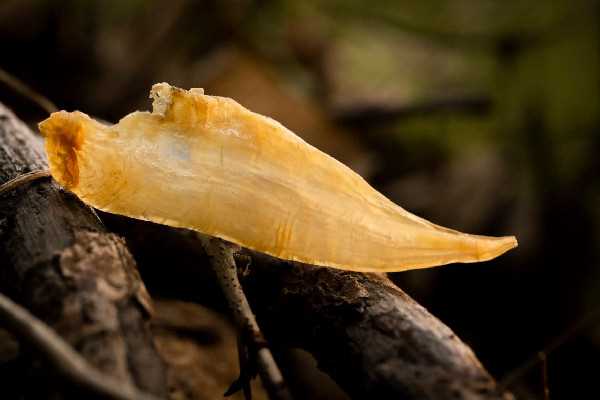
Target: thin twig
[
  {"x": 223, "y": 263},
  {"x": 544, "y": 361},
  {"x": 66, "y": 360},
  {"x": 586, "y": 321},
  {"x": 23, "y": 179},
  {"x": 24, "y": 90}
]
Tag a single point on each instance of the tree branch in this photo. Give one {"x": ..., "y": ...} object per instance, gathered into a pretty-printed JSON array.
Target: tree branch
[
  {"x": 223, "y": 263},
  {"x": 58, "y": 261},
  {"x": 27, "y": 92},
  {"x": 66, "y": 360},
  {"x": 366, "y": 333}
]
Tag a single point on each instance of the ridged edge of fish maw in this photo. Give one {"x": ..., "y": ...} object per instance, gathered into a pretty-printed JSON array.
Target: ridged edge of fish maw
[{"x": 64, "y": 133}]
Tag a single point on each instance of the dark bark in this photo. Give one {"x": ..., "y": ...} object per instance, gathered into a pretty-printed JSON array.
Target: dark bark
[
  {"x": 57, "y": 259},
  {"x": 366, "y": 333}
]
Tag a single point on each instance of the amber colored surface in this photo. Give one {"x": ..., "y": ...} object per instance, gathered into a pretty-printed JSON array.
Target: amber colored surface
[{"x": 208, "y": 164}]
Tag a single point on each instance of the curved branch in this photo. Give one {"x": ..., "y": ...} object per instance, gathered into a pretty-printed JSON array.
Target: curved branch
[
  {"x": 371, "y": 337},
  {"x": 66, "y": 360},
  {"x": 58, "y": 260}
]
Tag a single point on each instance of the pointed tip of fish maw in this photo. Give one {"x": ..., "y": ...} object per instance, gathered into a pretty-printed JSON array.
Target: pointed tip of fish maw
[
  {"x": 465, "y": 248},
  {"x": 491, "y": 247}
]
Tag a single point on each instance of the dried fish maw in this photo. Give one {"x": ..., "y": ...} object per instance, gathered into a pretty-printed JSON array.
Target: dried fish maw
[{"x": 208, "y": 164}]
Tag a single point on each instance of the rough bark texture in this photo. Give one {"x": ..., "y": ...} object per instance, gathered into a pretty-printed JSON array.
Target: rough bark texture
[
  {"x": 57, "y": 259},
  {"x": 366, "y": 333}
]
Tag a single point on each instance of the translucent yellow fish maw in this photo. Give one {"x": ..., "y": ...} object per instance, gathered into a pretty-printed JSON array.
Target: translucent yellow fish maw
[{"x": 208, "y": 164}]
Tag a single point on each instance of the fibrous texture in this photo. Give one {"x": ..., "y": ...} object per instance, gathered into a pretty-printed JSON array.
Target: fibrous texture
[{"x": 208, "y": 164}]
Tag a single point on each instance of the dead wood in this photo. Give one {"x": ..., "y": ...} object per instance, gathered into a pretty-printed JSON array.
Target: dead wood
[
  {"x": 221, "y": 254},
  {"x": 366, "y": 333},
  {"x": 62, "y": 357},
  {"x": 57, "y": 260}
]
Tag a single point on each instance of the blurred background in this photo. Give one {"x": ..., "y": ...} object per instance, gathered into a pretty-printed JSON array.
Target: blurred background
[{"x": 483, "y": 116}]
